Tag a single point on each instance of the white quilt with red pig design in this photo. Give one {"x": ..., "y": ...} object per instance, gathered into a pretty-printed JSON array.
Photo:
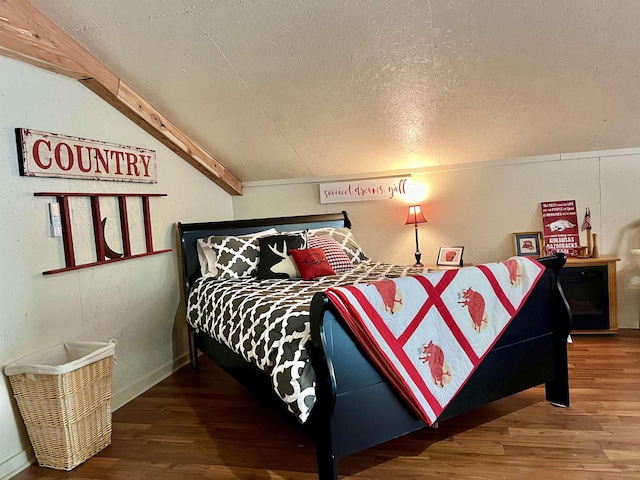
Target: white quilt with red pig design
[{"x": 427, "y": 333}]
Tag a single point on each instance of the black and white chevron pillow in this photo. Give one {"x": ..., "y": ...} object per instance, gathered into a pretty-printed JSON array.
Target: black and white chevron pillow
[{"x": 236, "y": 256}]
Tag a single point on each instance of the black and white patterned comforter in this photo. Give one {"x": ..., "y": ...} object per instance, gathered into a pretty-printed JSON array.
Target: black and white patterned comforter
[{"x": 267, "y": 322}]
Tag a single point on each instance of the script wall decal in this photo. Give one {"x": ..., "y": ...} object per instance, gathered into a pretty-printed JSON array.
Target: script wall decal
[{"x": 362, "y": 190}]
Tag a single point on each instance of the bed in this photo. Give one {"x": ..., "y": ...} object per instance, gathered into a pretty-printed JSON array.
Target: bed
[{"x": 354, "y": 405}]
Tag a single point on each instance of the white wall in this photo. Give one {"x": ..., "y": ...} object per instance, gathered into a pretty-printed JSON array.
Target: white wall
[
  {"x": 136, "y": 301},
  {"x": 480, "y": 205}
]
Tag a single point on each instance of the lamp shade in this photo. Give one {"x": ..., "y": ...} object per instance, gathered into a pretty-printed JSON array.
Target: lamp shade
[{"x": 415, "y": 215}]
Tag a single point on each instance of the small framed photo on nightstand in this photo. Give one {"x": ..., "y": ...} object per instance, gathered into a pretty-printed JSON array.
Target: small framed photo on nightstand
[
  {"x": 450, "y": 256},
  {"x": 527, "y": 244}
]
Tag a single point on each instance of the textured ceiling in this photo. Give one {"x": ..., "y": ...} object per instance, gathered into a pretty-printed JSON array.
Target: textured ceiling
[{"x": 276, "y": 89}]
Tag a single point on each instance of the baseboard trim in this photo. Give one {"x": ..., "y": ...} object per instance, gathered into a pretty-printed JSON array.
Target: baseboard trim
[
  {"x": 137, "y": 388},
  {"x": 14, "y": 465}
]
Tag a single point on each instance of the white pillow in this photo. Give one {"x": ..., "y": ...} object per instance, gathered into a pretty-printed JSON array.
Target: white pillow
[{"x": 207, "y": 258}]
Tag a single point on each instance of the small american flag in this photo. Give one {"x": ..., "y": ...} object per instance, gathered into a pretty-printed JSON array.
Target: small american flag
[{"x": 586, "y": 223}]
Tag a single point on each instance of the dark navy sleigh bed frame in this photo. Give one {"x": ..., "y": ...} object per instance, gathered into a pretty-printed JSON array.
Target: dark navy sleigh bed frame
[{"x": 355, "y": 407}]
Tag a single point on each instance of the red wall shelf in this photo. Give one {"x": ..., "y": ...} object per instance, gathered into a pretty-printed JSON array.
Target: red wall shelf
[{"x": 104, "y": 254}]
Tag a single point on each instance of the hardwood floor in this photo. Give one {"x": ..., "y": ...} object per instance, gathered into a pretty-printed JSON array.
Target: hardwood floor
[{"x": 204, "y": 425}]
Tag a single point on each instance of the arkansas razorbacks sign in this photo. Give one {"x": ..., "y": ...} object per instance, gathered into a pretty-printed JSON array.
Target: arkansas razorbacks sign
[
  {"x": 42, "y": 154},
  {"x": 560, "y": 227}
]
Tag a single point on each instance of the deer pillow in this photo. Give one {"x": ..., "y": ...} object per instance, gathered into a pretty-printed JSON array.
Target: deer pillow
[{"x": 275, "y": 260}]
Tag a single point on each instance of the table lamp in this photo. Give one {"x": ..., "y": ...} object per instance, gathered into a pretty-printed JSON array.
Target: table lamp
[{"x": 415, "y": 217}]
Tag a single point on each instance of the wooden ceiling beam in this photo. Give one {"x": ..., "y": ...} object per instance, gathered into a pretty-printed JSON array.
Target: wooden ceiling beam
[{"x": 29, "y": 36}]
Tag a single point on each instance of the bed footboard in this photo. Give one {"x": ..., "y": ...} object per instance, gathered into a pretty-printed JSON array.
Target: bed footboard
[{"x": 356, "y": 408}]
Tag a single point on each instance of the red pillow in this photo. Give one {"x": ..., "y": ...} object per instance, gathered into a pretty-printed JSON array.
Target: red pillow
[{"x": 312, "y": 263}]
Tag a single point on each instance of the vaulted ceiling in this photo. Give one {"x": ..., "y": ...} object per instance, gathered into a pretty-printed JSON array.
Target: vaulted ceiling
[{"x": 278, "y": 89}]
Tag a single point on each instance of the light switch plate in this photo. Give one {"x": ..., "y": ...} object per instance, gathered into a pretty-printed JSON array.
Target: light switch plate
[{"x": 56, "y": 223}]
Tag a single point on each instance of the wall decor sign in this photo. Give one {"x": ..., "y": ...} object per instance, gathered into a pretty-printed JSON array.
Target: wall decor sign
[
  {"x": 361, "y": 190},
  {"x": 43, "y": 154},
  {"x": 560, "y": 227}
]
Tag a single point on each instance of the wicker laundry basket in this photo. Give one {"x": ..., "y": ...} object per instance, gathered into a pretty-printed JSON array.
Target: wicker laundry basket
[{"x": 64, "y": 397}]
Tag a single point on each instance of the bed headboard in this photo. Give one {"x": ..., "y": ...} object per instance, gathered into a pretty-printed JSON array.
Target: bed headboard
[{"x": 190, "y": 232}]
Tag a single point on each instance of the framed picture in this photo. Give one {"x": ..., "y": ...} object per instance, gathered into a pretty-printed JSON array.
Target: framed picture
[
  {"x": 527, "y": 244},
  {"x": 450, "y": 256}
]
